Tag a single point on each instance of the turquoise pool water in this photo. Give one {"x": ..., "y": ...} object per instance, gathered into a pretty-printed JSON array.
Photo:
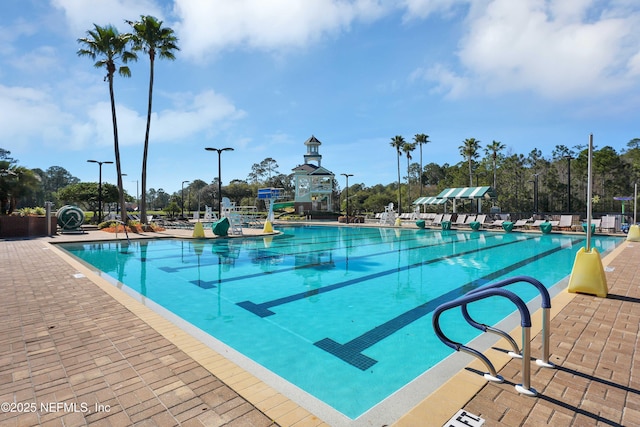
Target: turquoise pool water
[{"x": 344, "y": 313}]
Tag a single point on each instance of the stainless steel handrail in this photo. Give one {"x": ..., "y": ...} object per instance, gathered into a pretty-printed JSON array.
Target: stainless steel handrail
[{"x": 525, "y": 322}]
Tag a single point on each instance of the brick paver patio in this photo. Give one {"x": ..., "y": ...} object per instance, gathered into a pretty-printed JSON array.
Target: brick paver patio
[
  {"x": 64, "y": 340},
  {"x": 593, "y": 343}
]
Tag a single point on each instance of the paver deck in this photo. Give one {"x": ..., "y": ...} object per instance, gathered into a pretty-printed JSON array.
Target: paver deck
[{"x": 65, "y": 339}]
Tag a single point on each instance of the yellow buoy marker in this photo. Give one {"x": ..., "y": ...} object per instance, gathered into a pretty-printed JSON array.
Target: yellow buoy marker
[
  {"x": 587, "y": 276},
  {"x": 398, "y": 222},
  {"x": 268, "y": 228},
  {"x": 198, "y": 231},
  {"x": 634, "y": 233}
]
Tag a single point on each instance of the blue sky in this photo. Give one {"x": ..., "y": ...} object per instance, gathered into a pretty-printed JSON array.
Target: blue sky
[{"x": 263, "y": 76}]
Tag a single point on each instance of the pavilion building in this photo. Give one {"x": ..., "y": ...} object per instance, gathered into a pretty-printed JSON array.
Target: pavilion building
[{"x": 313, "y": 183}]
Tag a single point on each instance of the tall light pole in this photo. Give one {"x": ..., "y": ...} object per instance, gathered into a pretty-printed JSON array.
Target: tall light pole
[
  {"x": 347, "y": 175},
  {"x": 535, "y": 193},
  {"x": 100, "y": 185},
  {"x": 182, "y": 200},
  {"x": 568, "y": 157},
  {"x": 219, "y": 150},
  {"x": 137, "y": 198}
]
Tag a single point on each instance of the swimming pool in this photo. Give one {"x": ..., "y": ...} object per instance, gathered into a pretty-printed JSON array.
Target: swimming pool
[{"x": 343, "y": 313}]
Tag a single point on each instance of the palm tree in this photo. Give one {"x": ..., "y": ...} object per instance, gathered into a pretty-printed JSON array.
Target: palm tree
[
  {"x": 420, "y": 139},
  {"x": 151, "y": 38},
  {"x": 407, "y": 148},
  {"x": 397, "y": 142},
  {"x": 469, "y": 150},
  {"x": 492, "y": 150},
  {"x": 111, "y": 47}
]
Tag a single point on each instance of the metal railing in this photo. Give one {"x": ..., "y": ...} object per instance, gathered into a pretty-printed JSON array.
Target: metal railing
[
  {"x": 124, "y": 227},
  {"x": 525, "y": 322},
  {"x": 546, "y": 316}
]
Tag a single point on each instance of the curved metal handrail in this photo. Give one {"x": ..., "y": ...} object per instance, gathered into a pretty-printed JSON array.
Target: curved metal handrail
[
  {"x": 525, "y": 322},
  {"x": 124, "y": 226},
  {"x": 546, "y": 308}
]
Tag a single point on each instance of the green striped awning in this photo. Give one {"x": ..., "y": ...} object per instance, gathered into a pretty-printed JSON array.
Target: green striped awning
[
  {"x": 429, "y": 201},
  {"x": 467, "y": 193}
]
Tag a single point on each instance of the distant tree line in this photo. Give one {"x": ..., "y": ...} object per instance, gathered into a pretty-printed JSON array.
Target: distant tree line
[{"x": 560, "y": 180}]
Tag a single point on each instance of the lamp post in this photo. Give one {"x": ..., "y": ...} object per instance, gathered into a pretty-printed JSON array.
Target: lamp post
[
  {"x": 219, "y": 150},
  {"x": 182, "y": 200},
  {"x": 568, "y": 157},
  {"x": 347, "y": 175},
  {"x": 535, "y": 193},
  {"x": 100, "y": 185}
]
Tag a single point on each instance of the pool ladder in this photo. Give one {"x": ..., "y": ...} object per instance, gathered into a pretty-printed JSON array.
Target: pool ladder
[
  {"x": 495, "y": 289},
  {"x": 124, "y": 226}
]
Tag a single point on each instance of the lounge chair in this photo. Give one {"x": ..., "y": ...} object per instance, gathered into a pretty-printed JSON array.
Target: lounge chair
[
  {"x": 565, "y": 223},
  {"x": 437, "y": 220},
  {"x": 496, "y": 223},
  {"x": 460, "y": 220},
  {"x": 482, "y": 219},
  {"x": 520, "y": 223},
  {"x": 608, "y": 223}
]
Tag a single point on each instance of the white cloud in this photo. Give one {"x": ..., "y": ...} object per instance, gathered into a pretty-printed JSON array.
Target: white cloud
[
  {"x": 208, "y": 26},
  {"x": 82, "y": 14},
  {"x": 29, "y": 114},
  {"x": 424, "y": 8},
  {"x": 557, "y": 48},
  {"x": 191, "y": 114}
]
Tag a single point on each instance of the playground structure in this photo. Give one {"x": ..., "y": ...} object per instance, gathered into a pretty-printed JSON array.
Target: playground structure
[{"x": 269, "y": 195}]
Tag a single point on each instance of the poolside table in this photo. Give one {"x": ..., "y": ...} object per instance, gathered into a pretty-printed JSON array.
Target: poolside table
[
  {"x": 507, "y": 226},
  {"x": 593, "y": 228},
  {"x": 446, "y": 225},
  {"x": 475, "y": 225},
  {"x": 420, "y": 223}
]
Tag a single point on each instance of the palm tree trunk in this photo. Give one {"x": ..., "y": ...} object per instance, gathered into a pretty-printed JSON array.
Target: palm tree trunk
[
  {"x": 143, "y": 195},
  {"x": 420, "y": 175},
  {"x": 408, "y": 183},
  {"x": 116, "y": 148}
]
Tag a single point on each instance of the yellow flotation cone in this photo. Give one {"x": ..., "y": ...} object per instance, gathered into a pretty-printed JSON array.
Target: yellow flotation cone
[
  {"x": 587, "y": 276},
  {"x": 268, "y": 228},
  {"x": 198, "y": 231},
  {"x": 634, "y": 233},
  {"x": 398, "y": 222}
]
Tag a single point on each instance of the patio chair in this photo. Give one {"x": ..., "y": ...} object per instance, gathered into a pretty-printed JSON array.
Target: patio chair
[
  {"x": 608, "y": 223},
  {"x": 495, "y": 224},
  {"x": 482, "y": 219},
  {"x": 461, "y": 218},
  {"x": 520, "y": 223},
  {"x": 565, "y": 223},
  {"x": 437, "y": 220}
]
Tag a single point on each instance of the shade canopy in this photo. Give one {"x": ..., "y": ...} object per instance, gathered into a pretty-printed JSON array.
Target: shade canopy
[
  {"x": 429, "y": 201},
  {"x": 467, "y": 193}
]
